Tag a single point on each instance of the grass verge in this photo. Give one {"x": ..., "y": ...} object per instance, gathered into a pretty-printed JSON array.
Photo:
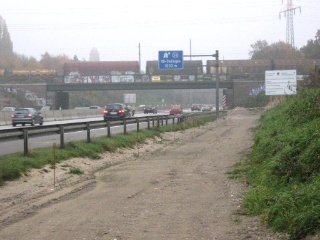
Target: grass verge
[
  {"x": 12, "y": 166},
  {"x": 283, "y": 169}
]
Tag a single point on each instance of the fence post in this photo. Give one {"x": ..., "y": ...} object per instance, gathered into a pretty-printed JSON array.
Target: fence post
[
  {"x": 124, "y": 126},
  {"x": 108, "y": 127},
  {"x": 88, "y": 132},
  {"x": 61, "y": 137},
  {"x": 25, "y": 142},
  {"x": 137, "y": 124},
  {"x": 148, "y": 122},
  {"x": 158, "y": 121}
]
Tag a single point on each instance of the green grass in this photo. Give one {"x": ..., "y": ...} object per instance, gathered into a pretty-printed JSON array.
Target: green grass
[
  {"x": 283, "y": 168},
  {"x": 12, "y": 166},
  {"x": 238, "y": 171},
  {"x": 74, "y": 170}
]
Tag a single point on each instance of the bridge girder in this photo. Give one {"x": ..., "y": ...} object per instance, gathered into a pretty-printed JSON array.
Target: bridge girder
[{"x": 136, "y": 86}]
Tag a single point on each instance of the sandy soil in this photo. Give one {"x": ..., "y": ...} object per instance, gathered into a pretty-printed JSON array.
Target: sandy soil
[{"x": 173, "y": 187}]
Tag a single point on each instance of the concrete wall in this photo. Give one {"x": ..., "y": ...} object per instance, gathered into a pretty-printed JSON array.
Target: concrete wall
[
  {"x": 32, "y": 95},
  {"x": 242, "y": 89}
]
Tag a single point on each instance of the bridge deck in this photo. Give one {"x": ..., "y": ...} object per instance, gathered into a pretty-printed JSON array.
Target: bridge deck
[{"x": 136, "y": 86}]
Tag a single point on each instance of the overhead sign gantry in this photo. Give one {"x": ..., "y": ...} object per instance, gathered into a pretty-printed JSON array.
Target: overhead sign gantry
[{"x": 174, "y": 60}]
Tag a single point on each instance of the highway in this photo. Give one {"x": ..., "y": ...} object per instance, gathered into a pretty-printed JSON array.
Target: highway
[
  {"x": 16, "y": 145},
  {"x": 8, "y": 146}
]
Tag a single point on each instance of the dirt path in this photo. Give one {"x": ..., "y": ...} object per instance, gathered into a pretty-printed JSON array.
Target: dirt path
[{"x": 176, "y": 187}]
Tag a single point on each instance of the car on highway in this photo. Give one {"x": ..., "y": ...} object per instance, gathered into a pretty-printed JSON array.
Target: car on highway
[
  {"x": 116, "y": 111},
  {"x": 81, "y": 108},
  {"x": 196, "y": 107},
  {"x": 45, "y": 108},
  {"x": 25, "y": 116},
  {"x": 8, "y": 109},
  {"x": 95, "y": 107},
  {"x": 150, "y": 109},
  {"x": 175, "y": 109},
  {"x": 206, "y": 108}
]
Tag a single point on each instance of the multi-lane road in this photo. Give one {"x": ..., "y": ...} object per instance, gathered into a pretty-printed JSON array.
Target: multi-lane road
[
  {"x": 17, "y": 145},
  {"x": 8, "y": 146}
]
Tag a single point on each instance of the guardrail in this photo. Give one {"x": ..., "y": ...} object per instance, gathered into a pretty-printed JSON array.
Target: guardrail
[
  {"x": 152, "y": 121},
  {"x": 26, "y": 132}
]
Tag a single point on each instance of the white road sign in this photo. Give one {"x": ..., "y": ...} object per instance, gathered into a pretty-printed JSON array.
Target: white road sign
[
  {"x": 130, "y": 98},
  {"x": 281, "y": 82}
]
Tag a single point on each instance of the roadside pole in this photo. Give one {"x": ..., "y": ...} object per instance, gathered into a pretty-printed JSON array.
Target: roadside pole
[
  {"x": 216, "y": 55},
  {"x": 217, "y": 83}
]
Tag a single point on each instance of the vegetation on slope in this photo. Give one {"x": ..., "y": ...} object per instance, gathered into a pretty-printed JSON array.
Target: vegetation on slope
[{"x": 284, "y": 166}]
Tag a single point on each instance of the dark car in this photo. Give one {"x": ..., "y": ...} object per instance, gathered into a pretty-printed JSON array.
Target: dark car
[
  {"x": 149, "y": 109},
  {"x": 115, "y": 111},
  {"x": 175, "y": 109},
  {"x": 196, "y": 107},
  {"x": 25, "y": 116}
]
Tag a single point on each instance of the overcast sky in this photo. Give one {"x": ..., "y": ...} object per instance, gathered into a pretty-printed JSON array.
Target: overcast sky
[{"x": 116, "y": 28}]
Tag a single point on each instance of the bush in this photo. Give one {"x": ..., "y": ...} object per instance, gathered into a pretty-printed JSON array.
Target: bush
[{"x": 259, "y": 100}]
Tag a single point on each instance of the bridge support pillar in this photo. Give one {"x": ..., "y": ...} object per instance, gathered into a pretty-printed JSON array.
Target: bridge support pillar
[{"x": 61, "y": 100}]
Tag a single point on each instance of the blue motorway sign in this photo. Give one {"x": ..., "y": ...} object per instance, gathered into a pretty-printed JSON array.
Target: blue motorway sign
[{"x": 170, "y": 60}]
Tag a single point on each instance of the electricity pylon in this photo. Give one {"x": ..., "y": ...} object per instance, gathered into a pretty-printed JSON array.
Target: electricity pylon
[{"x": 288, "y": 13}]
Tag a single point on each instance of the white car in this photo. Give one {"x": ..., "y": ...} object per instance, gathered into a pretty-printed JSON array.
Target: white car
[
  {"x": 45, "y": 108},
  {"x": 8, "y": 109},
  {"x": 205, "y": 107}
]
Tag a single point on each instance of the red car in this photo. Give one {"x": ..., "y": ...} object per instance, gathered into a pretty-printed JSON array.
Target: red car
[
  {"x": 175, "y": 109},
  {"x": 196, "y": 107}
]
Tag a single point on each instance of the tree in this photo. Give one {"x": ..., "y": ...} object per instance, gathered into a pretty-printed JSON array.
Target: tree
[
  {"x": 47, "y": 61},
  {"x": 33, "y": 63},
  {"x": 94, "y": 55},
  {"x": 6, "y": 46},
  {"x": 259, "y": 50},
  {"x": 20, "y": 61},
  {"x": 53, "y": 62},
  {"x": 312, "y": 49},
  {"x": 279, "y": 50},
  {"x": 318, "y": 35}
]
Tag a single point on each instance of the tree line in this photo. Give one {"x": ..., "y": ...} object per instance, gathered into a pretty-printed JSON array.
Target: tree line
[{"x": 261, "y": 49}]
